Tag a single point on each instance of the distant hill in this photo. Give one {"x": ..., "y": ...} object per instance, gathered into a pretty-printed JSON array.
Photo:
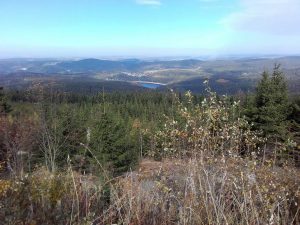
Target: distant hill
[
  {"x": 90, "y": 65},
  {"x": 227, "y": 76},
  {"x": 97, "y": 65}
]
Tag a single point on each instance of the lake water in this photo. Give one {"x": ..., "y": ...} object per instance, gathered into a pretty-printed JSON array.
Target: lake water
[{"x": 149, "y": 85}]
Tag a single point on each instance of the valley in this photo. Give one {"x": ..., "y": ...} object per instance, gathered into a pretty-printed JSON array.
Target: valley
[{"x": 227, "y": 76}]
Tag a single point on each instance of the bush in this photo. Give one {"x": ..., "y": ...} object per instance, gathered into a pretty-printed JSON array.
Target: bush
[{"x": 212, "y": 127}]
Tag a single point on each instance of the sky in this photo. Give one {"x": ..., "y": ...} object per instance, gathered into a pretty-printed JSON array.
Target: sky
[{"x": 148, "y": 28}]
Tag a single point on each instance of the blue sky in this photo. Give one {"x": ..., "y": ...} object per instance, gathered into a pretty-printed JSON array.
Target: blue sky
[{"x": 98, "y": 28}]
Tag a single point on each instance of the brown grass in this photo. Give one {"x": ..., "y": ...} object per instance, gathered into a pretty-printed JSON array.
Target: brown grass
[
  {"x": 222, "y": 191},
  {"x": 212, "y": 191}
]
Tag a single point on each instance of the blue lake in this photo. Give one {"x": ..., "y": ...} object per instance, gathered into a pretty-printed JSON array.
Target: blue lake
[{"x": 149, "y": 85}]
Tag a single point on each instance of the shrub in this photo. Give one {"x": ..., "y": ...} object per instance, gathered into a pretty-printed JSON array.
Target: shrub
[{"x": 212, "y": 127}]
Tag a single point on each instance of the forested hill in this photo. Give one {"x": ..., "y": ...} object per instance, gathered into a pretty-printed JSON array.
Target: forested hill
[{"x": 227, "y": 76}]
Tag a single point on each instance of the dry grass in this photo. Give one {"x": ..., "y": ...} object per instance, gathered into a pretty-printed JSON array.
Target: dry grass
[{"x": 220, "y": 191}]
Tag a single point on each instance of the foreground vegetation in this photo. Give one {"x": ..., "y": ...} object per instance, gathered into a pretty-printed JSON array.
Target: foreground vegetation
[
  {"x": 215, "y": 191},
  {"x": 150, "y": 158}
]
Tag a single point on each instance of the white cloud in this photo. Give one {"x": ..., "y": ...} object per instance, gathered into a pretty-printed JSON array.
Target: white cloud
[
  {"x": 279, "y": 17},
  {"x": 149, "y": 2}
]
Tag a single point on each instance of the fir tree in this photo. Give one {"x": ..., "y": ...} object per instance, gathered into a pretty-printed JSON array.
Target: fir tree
[
  {"x": 4, "y": 106},
  {"x": 112, "y": 146},
  {"x": 272, "y": 103}
]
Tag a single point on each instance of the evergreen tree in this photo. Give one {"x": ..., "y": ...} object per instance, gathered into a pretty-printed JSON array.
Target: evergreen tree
[
  {"x": 294, "y": 125},
  {"x": 112, "y": 146},
  {"x": 4, "y": 106},
  {"x": 272, "y": 103}
]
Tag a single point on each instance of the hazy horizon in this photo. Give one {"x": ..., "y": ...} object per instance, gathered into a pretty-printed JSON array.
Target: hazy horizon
[
  {"x": 148, "y": 28},
  {"x": 158, "y": 58}
]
